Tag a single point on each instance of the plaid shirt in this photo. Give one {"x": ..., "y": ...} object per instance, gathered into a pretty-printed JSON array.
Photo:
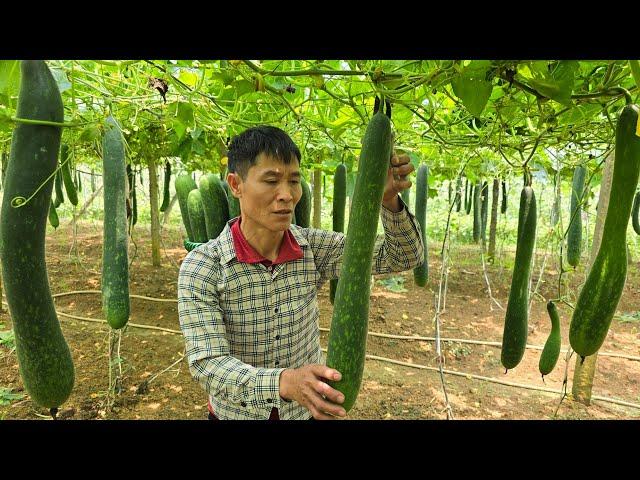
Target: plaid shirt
[{"x": 244, "y": 323}]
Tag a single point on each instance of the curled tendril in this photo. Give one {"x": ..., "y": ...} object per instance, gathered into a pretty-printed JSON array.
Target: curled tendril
[{"x": 17, "y": 202}]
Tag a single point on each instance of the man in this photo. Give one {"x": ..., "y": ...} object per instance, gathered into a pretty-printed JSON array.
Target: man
[{"x": 247, "y": 300}]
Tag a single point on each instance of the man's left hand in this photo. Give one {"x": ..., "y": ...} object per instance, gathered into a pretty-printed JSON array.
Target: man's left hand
[{"x": 397, "y": 181}]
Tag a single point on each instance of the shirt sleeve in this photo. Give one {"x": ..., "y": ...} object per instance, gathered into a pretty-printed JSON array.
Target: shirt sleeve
[
  {"x": 400, "y": 248},
  {"x": 207, "y": 348}
]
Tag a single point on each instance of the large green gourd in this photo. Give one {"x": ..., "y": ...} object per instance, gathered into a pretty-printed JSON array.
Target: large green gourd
[
  {"x": 72, "y": 195},
  {"x": 303, "y": 207},
  {"x": 167, "y": 182},
  {"x": 635, "y": 213},
  {"x": 44, "y": 359},
  {"x": 514, "y": 337},
  {"x": 115, "y": 258},
  {"x": 339, "y": 203},
  {"x": 602, "y": 290},
  {"x": 574, "y": 234},
  {"x": 197, "y": 217},
  {"x": 551, "y": 350},
  {"x": 214, "y": 203},
  {"x": 477, "y": 212},
  {"x": 348, "y": 335},
  {"x": 184, "y": 184},
  {"x": 421, "y": 272}
]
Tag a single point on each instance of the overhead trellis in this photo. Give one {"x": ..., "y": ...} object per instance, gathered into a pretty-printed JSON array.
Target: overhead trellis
[{"x": 498, "y": 115}]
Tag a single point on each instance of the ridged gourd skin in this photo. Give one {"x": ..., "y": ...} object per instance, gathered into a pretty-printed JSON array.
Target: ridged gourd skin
[
  {"x": 635, "y": 213},
  {"x": 339, "y": 204},
  {"x": 184, "y": 184},
  {"x": 348, "y": 335},
  {"x": 214, "y": 203},
  {"x": 514, "y": 337},
  {"x": 551, "y": 349},
  {"x": 44, "y": 359},
  {"x": 601, "y": 292},
  {"x": 421, "y": 272},
  {"x": 167, "y": 182},
  {"x": 115, "y": 257},
  {"x": 574, "y": 234},
  {"x": 196, "y": 216},
  {"x": 303, "y": 207},
  {"x": 70, "y": 188}
]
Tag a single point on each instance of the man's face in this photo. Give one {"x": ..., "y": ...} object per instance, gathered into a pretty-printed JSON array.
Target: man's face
[{"x": 269, "y": 193}]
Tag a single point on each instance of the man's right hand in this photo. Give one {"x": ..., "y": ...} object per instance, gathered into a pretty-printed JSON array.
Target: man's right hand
[{"x": 306, "y": 385}]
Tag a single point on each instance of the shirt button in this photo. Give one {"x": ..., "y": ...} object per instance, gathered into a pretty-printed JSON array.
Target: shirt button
[
  {"x": 244, "y": 404},
  {"x": 276, "y": 310},
  {"x": 277, "y": 362},
  {"x": 277, "y": 337},
  {"x": 269, "y": 400}
]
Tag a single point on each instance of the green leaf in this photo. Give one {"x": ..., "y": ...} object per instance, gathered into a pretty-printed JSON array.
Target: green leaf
[
  {"x": 472, "y": 88},
  {"x": 394, "y": 284},
  {"x": 61, "y": 79},
  {"x": 188, "y": 77},
  {"x": 6, "y": 397},
  {"x": 558, "y": 83},
  {"x": 243, "y": 87},
  {"x": 185, "y": 114},
  {"x": 10, "y": 77},
  {"x": 578, "y": 114}
]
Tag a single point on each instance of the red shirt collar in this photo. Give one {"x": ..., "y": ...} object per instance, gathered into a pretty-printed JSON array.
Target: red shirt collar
[{"x": 289, "y": 250}]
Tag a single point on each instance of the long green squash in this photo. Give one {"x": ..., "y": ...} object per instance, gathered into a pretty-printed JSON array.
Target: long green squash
[
  {"x": 184, "y": 184},
  {"x": 339, "y": 204},
  {"x": 477, "y": 212},
  {"x": 421, "y": 272},
  {"x": 53, "y": 216},
  {"x": 348, "y": 335},
  {"x": 115, "y": 258},
  {"x": 72, "y": 195},
  {"x": 503, "y": 208},
  {"x": 197, "y": 216},
  {"x": 214, "y": 203},
  {"x": 406, "y": 196},
  {"x": 44, "y": 359},
  {"x": 484, "y": 211},
  {"x": 551, "y": 350},
  {"x": 635, "y": 213},
  {"x": 59, "y": 198},
  {"x": 514, "y": 337},
  {"x": 458, "y": 194},
  {"x": 167, "y": 182},
  {"x": 303, "y": 207},
  {"x": 574, "y": 234},
  {"x": 602, "y": 290}
]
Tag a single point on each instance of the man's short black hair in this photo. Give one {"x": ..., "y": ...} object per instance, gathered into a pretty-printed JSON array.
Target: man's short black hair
[{"x": 272, "y": 141}]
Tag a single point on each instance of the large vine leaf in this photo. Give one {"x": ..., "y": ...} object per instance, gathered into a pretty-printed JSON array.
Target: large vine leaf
[
  {"x": 472, "y": 87},
  {"x": 557, "y": 83}
]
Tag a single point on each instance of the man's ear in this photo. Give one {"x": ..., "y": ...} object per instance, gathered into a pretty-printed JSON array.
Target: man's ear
[{"x": 234, "y": 181}]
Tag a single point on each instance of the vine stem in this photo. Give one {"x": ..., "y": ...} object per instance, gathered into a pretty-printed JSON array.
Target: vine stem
[{"x": 486, "y": 278}]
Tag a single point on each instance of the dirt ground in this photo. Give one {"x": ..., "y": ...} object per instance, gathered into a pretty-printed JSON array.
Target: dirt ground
[{"x": 389, "y": 391}]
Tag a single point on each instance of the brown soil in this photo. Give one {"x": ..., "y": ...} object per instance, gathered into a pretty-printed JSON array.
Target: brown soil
[{"x": 389, "y": 391}]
